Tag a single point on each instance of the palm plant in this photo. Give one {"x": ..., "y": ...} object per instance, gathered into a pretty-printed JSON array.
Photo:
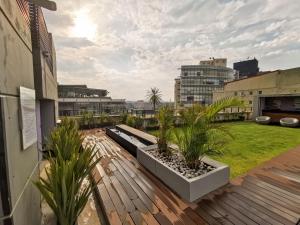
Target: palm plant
[
  {"x": 165, "y": 120},
  {"x": 154, "y": 97},
  {"x": 65, "y": 188},
  {"x": 199, "y": 135}
]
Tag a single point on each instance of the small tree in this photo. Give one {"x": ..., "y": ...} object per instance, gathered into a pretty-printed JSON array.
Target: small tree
[
  {"x": 198, "y": 136},
  {"x": 165, "y": 119},
  {"x": 154, "y": 97}
]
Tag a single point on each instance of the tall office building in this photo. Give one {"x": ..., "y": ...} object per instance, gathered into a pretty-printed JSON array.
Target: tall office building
[{"x": 197, "y": 82}]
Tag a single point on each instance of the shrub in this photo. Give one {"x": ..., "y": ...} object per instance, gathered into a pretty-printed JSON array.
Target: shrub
[
  {"x": 130, "y": 121},
  {"x": 64, "y": 188},
  {"x": 165, "y": 119},
  {"x": 88, "y": 119},
  {"x": 198, "y": 136}
]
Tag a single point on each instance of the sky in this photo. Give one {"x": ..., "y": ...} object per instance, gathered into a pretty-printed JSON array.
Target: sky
[{"x": 129, "y": 46}]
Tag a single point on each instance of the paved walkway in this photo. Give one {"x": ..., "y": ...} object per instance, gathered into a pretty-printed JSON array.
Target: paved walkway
[{"x": 129, "y": 194}]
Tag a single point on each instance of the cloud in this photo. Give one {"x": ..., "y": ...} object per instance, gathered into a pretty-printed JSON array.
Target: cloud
[{"x": 140, "y": 44}]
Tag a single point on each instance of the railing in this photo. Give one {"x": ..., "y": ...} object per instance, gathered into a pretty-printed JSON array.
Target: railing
[{"x": 41, "y": 39}]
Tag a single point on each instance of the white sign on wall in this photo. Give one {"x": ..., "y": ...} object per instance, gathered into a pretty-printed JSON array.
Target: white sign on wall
[{"x": 28, "y": 116}]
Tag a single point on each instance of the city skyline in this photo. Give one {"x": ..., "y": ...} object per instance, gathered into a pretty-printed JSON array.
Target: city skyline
[{"x": 128, "y": 47}]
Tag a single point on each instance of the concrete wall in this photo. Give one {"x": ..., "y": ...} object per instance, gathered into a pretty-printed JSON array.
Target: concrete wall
[
  {"x": 277, "y": 83},
  {"x": 16, "y": 69},
  {"x": 47, "y": 113},
  {"x": 22, "y": 167}
]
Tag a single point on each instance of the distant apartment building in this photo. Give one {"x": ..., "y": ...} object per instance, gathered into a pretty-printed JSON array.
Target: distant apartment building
[
  {"x": 246, "y": 68},
  {"x": 275, "y": 94},
  {"x": 144, "y": 108},
  {"x": 28, "y": 94},
  {"x": 74, "y": 100},
  {"x": 197, "y": 82}
]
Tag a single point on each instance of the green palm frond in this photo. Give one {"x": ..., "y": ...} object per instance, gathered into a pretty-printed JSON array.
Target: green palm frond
[
  {"x": 154, "y": 97},
  {"x": 165, "y": 118},
  {"x": 212, "y": 110},
  {"x": 201, "y": 136}
]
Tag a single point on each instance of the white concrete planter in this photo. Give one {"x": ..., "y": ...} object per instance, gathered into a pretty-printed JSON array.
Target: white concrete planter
[{"x": 189, "y": 189}]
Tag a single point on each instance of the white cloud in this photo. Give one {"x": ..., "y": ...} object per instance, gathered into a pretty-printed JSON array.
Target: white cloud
[{"x": 141, "y": 44}]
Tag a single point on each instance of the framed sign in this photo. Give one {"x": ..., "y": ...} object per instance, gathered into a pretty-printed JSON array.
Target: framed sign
[{"x": 28, "y": 117}]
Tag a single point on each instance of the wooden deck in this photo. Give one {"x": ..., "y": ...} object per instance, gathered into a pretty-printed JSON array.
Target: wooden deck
[{"x": 129, "y": 194}]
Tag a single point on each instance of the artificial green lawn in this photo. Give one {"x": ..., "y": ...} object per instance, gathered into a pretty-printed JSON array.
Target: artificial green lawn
[{"x": 254, "y": 144}]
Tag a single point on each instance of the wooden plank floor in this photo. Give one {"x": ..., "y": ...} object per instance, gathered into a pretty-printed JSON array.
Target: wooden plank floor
[{"x": 269, "y": 194}]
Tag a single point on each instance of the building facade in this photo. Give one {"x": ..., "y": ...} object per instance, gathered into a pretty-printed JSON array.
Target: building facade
[
  {"x": 74, "y": 100},
  {"x": 246, "y": 68},
  {"x": 275, "y": 94},
  {"x": 197, "y": 82},
  {"x": 27, "y": 107}
]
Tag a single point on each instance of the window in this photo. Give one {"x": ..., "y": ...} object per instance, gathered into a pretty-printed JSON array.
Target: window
[
  {"x": 259, "y": 92},
  {"x": 250, "y": 102},
  {"x": 185, "y": 73},
  {"x": 190, "y": 98},
  {"x": 235, "y": 93},
  {"x": 198, "y": 73},
  {"x": 250, "y": 93}
]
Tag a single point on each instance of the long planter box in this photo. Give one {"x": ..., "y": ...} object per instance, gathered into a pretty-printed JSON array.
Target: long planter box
[
  {"x": 123, "y": 142},
  {"x": 189, "y": 189}
]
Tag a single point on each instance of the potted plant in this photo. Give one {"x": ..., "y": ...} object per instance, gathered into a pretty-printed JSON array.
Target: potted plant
[
  {"x": 66, "y": 188},
  {"x": 188, "y": 171}
]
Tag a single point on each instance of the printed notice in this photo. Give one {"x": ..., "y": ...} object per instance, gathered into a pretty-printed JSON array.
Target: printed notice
[{"x": 28, "y": 116}]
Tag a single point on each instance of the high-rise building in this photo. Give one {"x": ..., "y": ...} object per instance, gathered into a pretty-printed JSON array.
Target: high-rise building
[
  {"x": 246, "y": 68},
  {"x": 197, "y": 82}
]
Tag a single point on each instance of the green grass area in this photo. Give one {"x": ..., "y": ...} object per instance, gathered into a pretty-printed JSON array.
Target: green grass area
[{"x": 253, "y": 144}]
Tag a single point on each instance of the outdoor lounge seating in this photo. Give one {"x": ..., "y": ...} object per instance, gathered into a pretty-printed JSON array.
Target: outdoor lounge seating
[
  {"x": 289, "y": 122},
  {"x": 263, "y": 119}
]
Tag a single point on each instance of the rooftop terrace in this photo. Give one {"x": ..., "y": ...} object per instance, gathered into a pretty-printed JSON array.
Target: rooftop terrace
[{"x": 129, "y": 194}]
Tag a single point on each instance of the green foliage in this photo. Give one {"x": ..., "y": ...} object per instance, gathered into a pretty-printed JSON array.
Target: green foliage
[
  {"x": 154, "y": 97},
  {"x": 103, "y": 118},
  {"x": 165, "y": 118},
  {"x": 64, "y": 139},
  {"x": 133, "y": 121},
  {"x": 130, "y": 121},
  {"x": 252, "y": 145},
  {"x": 123, "y": 117},
  {"x": 88, "y": 119},
  {"x": 197, "y": 138},
  {"x": 66, "y": 188}
]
